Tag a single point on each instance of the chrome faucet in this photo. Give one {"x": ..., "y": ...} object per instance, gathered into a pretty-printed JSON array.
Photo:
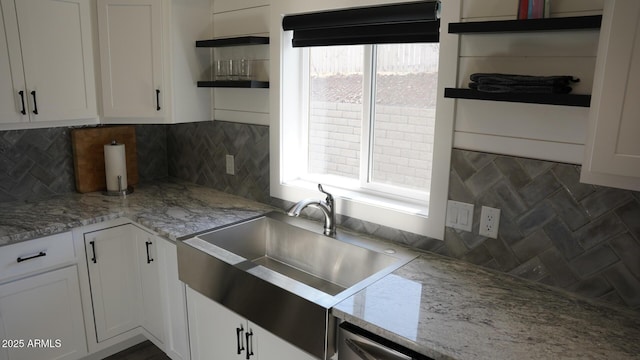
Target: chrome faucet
[{"x": 327, "y": 207}]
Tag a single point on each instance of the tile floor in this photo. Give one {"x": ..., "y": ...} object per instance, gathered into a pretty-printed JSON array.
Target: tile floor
[{"x": 143, "y": 351}]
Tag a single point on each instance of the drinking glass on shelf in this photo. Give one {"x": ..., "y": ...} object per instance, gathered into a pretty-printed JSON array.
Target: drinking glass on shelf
[
  {"x": 235, "y": 69},
  {"x": 245, "y": 69},
  {"x": 222, "y": 70}
]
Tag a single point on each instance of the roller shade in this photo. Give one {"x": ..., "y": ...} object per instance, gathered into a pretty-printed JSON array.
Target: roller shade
[{"x": 398, "y": 23}]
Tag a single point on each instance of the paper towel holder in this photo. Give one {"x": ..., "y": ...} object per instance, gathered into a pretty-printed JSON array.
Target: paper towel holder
[{"x": 120, "y": 191}]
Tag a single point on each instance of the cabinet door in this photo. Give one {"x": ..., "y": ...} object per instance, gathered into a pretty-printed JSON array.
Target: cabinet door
[
  {"x": 176, "y": 339},
  {"x": 267, "y": 346},
  {"x": 44, "y": 308},
  {"x": 152, "y": 319},
  {"x": 214, "y": 331},
  {"x": 11, "y": 74},
  {"x": 131, "y": 58},
  {"x": 612, "y": 156},
  {"x": 112, "y": 258},
  {"x": 57, "y": 54}
]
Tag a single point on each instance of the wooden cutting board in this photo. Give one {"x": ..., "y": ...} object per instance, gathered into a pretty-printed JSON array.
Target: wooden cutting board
[{"x": 88, "y": 155}]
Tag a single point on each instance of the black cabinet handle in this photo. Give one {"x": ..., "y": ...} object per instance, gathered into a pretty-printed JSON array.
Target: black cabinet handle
[
  {"x": 35, "y": 102},
  {"x": 249, "y": 342},
  {"x": 149, "y": 259},
  {"x": 239, "y": 339},
  {"x": 93, "y": 248},
  {"x": 157, "y": 99},
  {"x": 40, "y": 254},
  {"x": 24, "y": 109}
]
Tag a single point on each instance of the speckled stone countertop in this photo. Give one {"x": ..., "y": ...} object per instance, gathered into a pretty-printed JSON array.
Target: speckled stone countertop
[
  {"x": 171, "y": 208},
  {"x": 447, "y": 309}
]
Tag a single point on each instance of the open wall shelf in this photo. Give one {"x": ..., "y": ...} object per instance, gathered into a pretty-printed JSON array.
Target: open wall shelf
[
  {"x": 548, "y": 24},
  {"x": 528, "y": 25},
  {"x": 247, "y": 84},
  {"x": 548, "y": 99},
  {"x": 235, "y": 41}
]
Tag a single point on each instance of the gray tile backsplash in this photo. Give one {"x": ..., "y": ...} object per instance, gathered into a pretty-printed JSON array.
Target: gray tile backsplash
[
  {"x": 35, "y": 164},
  {"x": 553, "y": 229},
  {"x": 38, "y": 163},
  {"x": 197, "y": 153}
]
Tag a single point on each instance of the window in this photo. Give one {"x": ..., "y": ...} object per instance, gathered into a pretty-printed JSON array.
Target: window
[
  {"x": 371, "y": 117},
  {"x": 368, "y": 121}
]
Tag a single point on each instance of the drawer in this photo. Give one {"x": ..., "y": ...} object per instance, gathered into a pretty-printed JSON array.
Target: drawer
[{"x": 32, "y": 256}]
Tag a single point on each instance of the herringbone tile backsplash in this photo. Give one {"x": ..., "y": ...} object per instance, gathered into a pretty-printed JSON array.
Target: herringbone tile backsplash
[
  {"x": 553, "y": 229},
  {"x": 38, "y": 163},
  {"x": 197, "y": 153},
  {"x": 35, "y": 164}
]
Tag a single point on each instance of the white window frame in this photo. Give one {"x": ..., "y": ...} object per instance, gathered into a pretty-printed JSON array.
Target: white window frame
[
  {"x": 286, "y": 102},
  {"x": 364, "y": 183}
]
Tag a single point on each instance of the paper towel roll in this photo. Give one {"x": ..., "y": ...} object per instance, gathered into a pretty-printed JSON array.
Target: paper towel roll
[{"x": 115, "y": 164}]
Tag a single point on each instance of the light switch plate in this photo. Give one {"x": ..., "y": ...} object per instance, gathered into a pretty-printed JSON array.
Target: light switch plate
[
  {"x": 459, "y": 215},
  {"x": 231, "y": 166}
]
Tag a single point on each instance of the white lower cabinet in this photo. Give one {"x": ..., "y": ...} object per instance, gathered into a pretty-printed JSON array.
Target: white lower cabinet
[
  {"x": 112, "y": 259},
  {"x": 216, "y": 332},
  {"x": 40, "y": 306},
  {"x": 151, "y": 301},
  {"x": 124, "y": 282},
  {"x": 176, "y": 330}
]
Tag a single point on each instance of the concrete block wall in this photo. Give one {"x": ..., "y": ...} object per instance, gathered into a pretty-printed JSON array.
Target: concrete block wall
[{"x": 403, "y": 147}]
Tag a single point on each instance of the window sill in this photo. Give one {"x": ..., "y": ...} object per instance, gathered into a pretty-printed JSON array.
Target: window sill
[{"x": 400, "y": 214}]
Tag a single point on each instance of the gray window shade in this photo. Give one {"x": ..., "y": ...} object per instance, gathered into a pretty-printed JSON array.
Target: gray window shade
[{"x": 399, "y": 23}]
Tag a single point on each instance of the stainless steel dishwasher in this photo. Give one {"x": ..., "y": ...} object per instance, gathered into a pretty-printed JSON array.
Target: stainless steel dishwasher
[{"x": 355, "y": 343}]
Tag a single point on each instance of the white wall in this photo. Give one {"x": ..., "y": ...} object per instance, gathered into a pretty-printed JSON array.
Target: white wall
[
  {"x": 546, "y": 132},
  {"x": 233, "y": 18}
]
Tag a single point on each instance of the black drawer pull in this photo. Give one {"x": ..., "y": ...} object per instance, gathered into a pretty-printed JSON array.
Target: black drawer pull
[
  {"x": 93, "y": 249},
  {"x": 157, "y": 99},
  {"x": 239, "y": 339},
  {"x": 35, "y": 102},
  {"x": 24, "y": 109},
  {"x": 40, "y": 254},
  {"x": 149, "y": 259},
  {"x": 249, "y": 342}
]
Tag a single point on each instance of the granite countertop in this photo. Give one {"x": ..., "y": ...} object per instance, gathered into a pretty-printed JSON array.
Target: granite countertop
[
  {"x": 447, "y": 309},
  {"x": 171, "y": 208},
  {"x": 440, "y": 307}
]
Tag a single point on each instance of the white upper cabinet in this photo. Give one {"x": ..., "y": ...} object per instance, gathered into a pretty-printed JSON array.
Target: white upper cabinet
[
  {"x": 46, "y": 63},
  {"x": 132, "y": 62},
  {"x": 10, "y": 107},
  {"x": 612, "y": 156},
  {"x": 149, "y": 63}
]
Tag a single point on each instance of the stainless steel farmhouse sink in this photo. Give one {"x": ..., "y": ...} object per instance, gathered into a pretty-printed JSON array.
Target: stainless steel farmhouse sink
[{"x": 283, "y": 274}]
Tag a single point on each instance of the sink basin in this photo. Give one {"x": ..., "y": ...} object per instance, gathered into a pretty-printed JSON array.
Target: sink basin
[
  {"x": 322, "y": 262},
  {"x": 283, "y": 274}
]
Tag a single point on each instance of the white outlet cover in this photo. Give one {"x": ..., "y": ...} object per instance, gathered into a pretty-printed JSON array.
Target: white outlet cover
[{"x": 489, "y": 222}]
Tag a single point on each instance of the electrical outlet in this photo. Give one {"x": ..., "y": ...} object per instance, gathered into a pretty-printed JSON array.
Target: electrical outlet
[
  {"x": 231, "y": 166},
  {"x": 489, "y": 222}
]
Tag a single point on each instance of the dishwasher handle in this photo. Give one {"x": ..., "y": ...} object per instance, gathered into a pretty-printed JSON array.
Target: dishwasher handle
[{"x": 382, "y": 353}]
